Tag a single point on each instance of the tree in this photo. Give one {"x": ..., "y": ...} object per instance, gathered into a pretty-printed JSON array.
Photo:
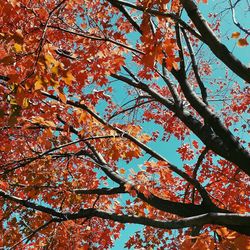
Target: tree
[{"x": 88, "y": 90}]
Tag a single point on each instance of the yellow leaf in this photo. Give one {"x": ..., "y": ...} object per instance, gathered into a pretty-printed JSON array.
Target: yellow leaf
[
  {"x": 122, "y": 171},
  {"x": 25, "y": 102},
  {"x": 235, "y": 35},
  {"x": 54, "y": 69},
  {"x": 49, "y": 59},
  {"x": 38, "y": 119},
  {"x": 52, "y": 63},
  {"x": 18, "y": 47},
  {"x": 49, "y": 124},
  {"x": 242, "y": 42},
  {"x": 38, "y": 84}
]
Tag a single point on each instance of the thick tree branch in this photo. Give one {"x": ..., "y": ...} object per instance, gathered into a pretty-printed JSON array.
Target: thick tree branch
[
  {"x": 221, "y": 142},
  {"x": 236, "y": 221},
  {"x": 126, "y": 14},
  {"x": 218, "y": 48},
  {"x": 31, "y": 205},
  {"x": 232, "y": 149}
]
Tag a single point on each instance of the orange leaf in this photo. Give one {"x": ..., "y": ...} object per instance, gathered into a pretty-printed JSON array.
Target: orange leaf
[
  {"x": 62, "y": 97},
  {"x": 235, "y": 35},
  {"x": 69, "y": 78},
  {"x": 122, "y": 171},
  {"x": 242, "y": 42}
]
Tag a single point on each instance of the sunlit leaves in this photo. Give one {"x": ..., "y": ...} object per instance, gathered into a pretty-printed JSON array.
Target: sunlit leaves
[
  {"x": 38, "y": 84},
  {"x": 68, "y": 78},
  {"x": 204, "y": 241}
]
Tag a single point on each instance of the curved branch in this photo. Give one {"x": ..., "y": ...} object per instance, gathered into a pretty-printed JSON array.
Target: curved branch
[
  {"x": 240, "y": 222},
  {"x": 218, "y": 48},
  {"x": 222, "y": 219},
  {"x": 232, "y": 7}
]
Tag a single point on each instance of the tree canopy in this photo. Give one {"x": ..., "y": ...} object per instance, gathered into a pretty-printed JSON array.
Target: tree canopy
[{"x": 116, "y": 112}]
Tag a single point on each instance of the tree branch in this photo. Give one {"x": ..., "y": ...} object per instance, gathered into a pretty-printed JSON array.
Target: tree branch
[
  {"x": 96, "y": 38},
  {"x": 229, "y": 148},
  {"x": 218, "y": 48},
  {"x": 126, "y": 14},
  {"x": 195, "y": 69}
]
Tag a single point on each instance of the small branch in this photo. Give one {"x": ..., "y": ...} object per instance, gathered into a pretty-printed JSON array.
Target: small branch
[
  {"x": 128, "y": 109},
  {"x": 178, "y": 38},
  {"x": 28, "y": 238},
  {"x": 199, "y": 161},
  {"x": 170, "y": 85},
  {"x": 232, "y": 7},
  {"x": 96, "y": 38},
  {"x": 24, "y": 162},
  {"x": 195, "y": 69},
  {"x": 197, "y": 165}
]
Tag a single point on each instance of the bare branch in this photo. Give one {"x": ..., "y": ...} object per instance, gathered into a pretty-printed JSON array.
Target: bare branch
[
  {"x": 236, "y": 22},
  {"x": 195, "y": 69}
]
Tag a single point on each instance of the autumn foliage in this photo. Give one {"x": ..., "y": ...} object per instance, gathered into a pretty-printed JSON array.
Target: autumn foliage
[{"x": 116, "y": 112}]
